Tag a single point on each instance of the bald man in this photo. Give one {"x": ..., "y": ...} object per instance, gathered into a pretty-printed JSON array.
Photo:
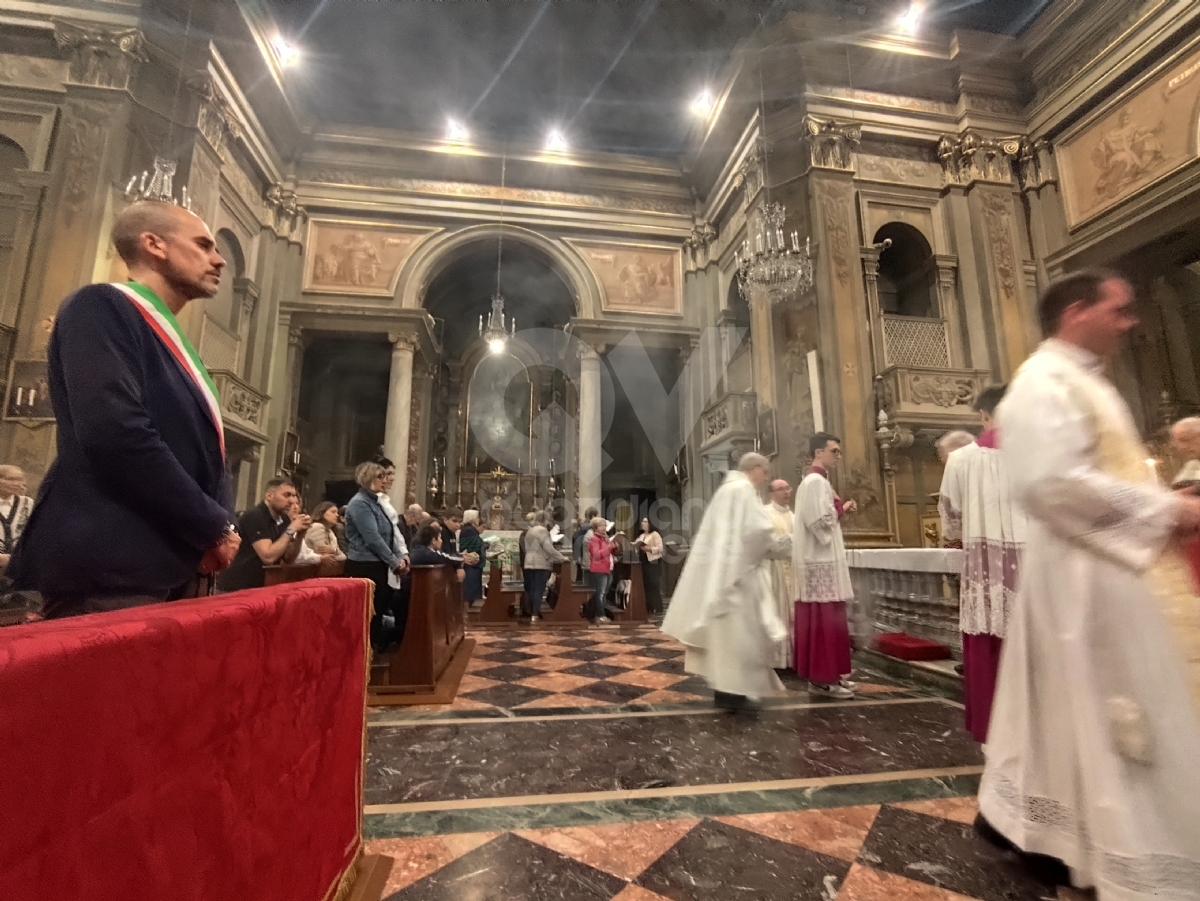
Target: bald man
[
  {"x": 1185, "y": 439},
  {"x": 136, "y": 507}
]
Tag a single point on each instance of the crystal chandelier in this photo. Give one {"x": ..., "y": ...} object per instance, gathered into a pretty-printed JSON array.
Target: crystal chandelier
[
  {"x": 497, "y": 331},
  {"x": 157, "y": 186},
  {"x": 767, "y": 268}
]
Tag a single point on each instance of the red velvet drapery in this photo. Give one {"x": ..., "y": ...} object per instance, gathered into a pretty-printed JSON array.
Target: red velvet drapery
[{"x": 207, "y": 749}]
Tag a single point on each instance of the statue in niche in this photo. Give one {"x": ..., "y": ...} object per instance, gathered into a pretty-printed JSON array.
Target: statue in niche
[{"x": 1124, "y": 154}]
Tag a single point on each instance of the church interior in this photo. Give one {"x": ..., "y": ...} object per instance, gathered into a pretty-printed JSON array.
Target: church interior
[{"x": 506, "y": 245}]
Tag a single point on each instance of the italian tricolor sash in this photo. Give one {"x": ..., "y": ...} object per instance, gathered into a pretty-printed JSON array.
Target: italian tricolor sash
[{"x": 163, "y": 323}]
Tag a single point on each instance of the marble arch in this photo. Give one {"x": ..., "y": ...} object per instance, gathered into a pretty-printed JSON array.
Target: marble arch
[{"x": 440, "y": 251}]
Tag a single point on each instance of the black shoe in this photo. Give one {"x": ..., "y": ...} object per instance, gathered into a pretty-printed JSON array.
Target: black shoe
[
  {"x": 1044, "y": 868},
  {"x": 958, "y": 668}
]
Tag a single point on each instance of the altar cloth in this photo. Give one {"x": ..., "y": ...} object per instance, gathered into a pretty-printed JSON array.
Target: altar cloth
[{"x": 207, "y": 749}]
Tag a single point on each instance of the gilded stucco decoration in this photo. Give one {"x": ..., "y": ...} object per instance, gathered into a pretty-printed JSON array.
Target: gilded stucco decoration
[
  {"x": 1149, "y": 135},
  {"x": 364, "y": 179},
  {"x": 972, "y": 157},
  {"x": 942, "y": 390},
  {"x": 100, "y": 57},
  {"x": 831, "y": 143},
  {"x": 356, "y": 258},
  {"x": 836, "y": 211},
  {"x": 636, "y": 278}
]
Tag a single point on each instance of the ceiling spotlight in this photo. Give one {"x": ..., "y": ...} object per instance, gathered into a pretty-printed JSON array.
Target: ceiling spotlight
[
  {"x": 556, "y": 141},
  {"x": 287, "y": 52},
  {"x": 702, "y": 106},
  {"x": 456, "y": 131},
  {"x": 909, "y": 22}
]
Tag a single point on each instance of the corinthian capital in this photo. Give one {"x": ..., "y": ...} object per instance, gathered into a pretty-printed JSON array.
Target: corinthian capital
[
  {"x": 216, "y": 119},
  {"x": 830, "y": 142},
  {"x": 972, "y": 157},
  {"x": 100, "y": 57}
]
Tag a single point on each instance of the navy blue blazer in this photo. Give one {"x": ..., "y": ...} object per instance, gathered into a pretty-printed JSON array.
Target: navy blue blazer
[{"x": 138, "y": 491}]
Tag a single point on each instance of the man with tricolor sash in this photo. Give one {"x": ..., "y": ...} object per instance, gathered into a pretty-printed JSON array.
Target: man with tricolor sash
[{"x": 136, "y": 508}]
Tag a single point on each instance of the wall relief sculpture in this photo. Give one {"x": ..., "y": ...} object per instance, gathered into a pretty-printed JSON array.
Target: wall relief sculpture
[
  {"x": 350, "y": 258},
  {"x": 636, "y": 278},
  {"x": 85, "y": 137},
  {"x": 997, "y": 214},
  {"x": 942, "y": 390},
  {"x": 836, "y": 212},
  {"x": 1148, "y": 136}
]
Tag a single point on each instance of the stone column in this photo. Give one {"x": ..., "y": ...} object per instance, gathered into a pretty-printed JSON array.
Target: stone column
[
  {"x": 590, "y": 436},
  {"x": 399, "y": 411}
]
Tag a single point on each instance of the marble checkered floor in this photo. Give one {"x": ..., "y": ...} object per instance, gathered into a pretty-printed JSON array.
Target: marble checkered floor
[{"x": 585, "y": 764}]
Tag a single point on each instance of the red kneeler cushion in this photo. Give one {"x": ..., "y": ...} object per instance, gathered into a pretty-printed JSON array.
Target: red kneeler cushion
[{"x": 909, "y": 647}]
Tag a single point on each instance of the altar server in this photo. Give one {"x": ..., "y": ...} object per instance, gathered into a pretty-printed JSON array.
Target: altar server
[
  {"x": 779, "y": 511},
  {"x": 136, "y": 503},
  {"x": 977, "y": 510},
  {"x": 722, "y": 608},
  {"x": 1096, "y": 725},
  {"x": 822, "y": 576}
]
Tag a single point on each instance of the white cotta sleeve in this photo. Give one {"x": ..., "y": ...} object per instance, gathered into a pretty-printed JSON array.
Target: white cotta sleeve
[
  {"x": 781, "y": 547},
  {"x": 1049, "y": 446},
  {"x": 817, "y": 513},
  {"x": 950, "y": 499},
  {"x": 759, "y": 534}
]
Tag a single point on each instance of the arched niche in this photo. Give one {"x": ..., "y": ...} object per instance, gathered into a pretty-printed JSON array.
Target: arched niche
[
  {"x": 441, "y": 251},
  {"x": 12, "y": 157},
  {"x": 907, "y": 272},
  {"x": 222, "y": 307}
]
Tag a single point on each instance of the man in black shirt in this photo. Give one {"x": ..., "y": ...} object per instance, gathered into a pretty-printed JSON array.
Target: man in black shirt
[{"x": 270, "y": 535}]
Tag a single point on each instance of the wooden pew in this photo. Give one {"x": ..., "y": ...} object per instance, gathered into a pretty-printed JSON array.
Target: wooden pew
[
  {"x": 289, "y": 572},
  {"x": 433, "y": 633},
  {"x": 636, "y": 611},
  {"x": 498, "y": 601},
  {"x": 568, "y": 611}
]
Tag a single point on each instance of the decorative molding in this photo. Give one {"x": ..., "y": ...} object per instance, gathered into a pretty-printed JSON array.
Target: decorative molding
[
  {"x": 971, "y": 157},
  {"x": 831, "y": 143},
  {"x": 943, "y": 390},
  {"x": 401, "y": 341},
  {"x": 287, "y": 213},
  {"x": 216, "y": 119},
  {"x": 295, "y": 335},
  {"x": 698, "y": 244},
  {"x": 30, "y": 72},
  {"x": 1035, "y": 166},
  {"x": 1088, "y": 51},
  {"x": 366, "y": 179},
  {"x": 998, "y": 219},
  {"x": 100, "y": 57},
  {"x": 84, "y": 139},
  {"x": 751, "y": 175},
  {"x": 836, "y": 212}
]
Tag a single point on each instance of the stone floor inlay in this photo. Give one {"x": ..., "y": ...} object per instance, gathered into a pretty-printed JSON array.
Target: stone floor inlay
[{"x": 587, "y": 765}]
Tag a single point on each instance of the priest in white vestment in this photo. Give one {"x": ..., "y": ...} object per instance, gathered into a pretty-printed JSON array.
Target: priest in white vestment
[
  {"x": 779, "y": 511},
  {"x": 1094, "y": 750},
  {"x": 1185, "y": 440},
  {"x": 977, "y": 510},
  {"x": 722, "y": 608},
  {"x": 822, "y": 576}
]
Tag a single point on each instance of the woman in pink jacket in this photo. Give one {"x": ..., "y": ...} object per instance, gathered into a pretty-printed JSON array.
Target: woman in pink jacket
[{"x": 600, "y": 550}]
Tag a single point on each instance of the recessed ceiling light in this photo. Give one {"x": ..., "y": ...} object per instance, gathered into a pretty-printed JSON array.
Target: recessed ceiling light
[
  {"x": 556, "y": 141},
  {"x": 909, "y": 22},
  {"x": 287, "y": 52},
  {"x": 456, "y": 131},
  {"x": 703, "y": 104}
]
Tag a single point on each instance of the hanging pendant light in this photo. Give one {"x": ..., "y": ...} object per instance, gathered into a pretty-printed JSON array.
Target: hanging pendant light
[
  {"x": 768, "y": 268},
  {"x": 158, "y": 185},
  {"x": 498, "y": 330}
]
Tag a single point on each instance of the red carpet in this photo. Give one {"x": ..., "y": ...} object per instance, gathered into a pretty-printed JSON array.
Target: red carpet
[{"x": 206, "y": 749}]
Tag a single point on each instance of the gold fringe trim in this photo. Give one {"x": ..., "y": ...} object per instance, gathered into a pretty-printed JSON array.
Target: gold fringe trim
[{"x": 342, "y": 889}]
